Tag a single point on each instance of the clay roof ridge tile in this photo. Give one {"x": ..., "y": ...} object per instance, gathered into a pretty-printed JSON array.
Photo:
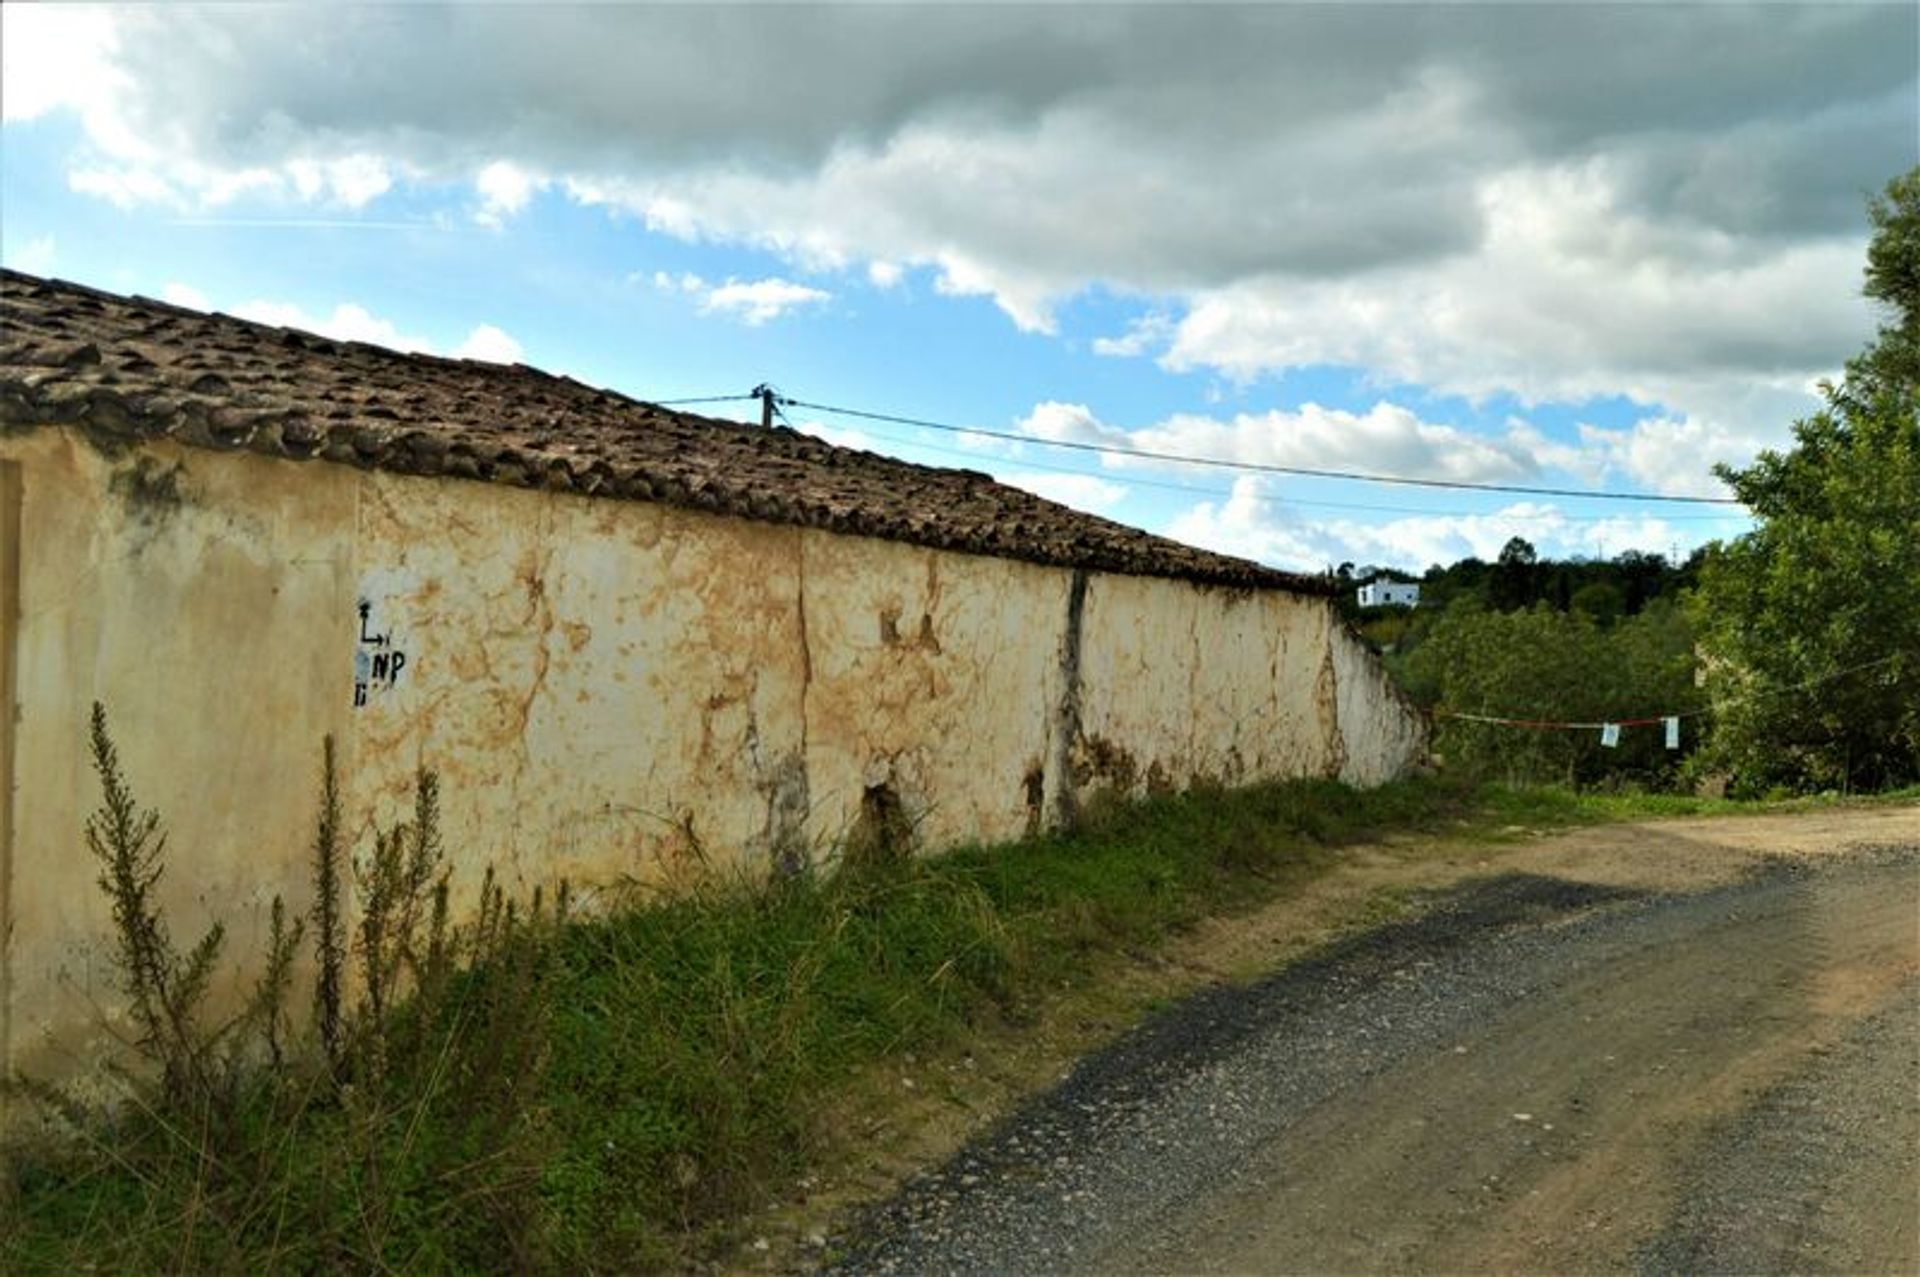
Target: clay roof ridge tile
[{"x": 296, "y": 393}]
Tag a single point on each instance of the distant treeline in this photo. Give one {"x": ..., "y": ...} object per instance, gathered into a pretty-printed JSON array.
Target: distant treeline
[
  {"x": 1604, "y": 589},
  {"x": 1584, "y": 640},
  {"x": 1790, "y": 652}
]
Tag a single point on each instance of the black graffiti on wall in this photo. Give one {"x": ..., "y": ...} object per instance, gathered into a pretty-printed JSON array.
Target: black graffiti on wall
[{"x": 376, "y": 661}]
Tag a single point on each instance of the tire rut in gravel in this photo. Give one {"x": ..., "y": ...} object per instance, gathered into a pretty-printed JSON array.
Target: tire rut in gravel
[
  {"x": 1026, "y": 1197},
  {"x": 1510, "y": 1078},
  {"x": 1821, "y": 1175}
]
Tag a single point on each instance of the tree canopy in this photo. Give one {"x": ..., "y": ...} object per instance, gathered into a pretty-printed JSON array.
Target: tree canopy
[
  {"x": 1892, "y": 362},
  {"x": 1541, "y": 664},
  {"x": 1810, "y": 623}
]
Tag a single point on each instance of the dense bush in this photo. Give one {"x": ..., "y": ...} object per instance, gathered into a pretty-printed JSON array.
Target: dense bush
[
  {"x": 1810, "y": 623},
  {"x": 1540, "y": 664}
]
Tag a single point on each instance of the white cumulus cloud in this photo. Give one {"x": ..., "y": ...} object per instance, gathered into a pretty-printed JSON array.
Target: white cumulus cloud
[
  {"x": 760, "y": 300},
  {"x": 684, "y": 282},
  {"x": 1573, "y": 293},
  {"x": 350, "y": 321},
  {"x": 1085, "y": 492},
  {"x": 504, "y": 189},
  {"x": 1386, "y": 440},
  {"x": 1256, "y": 522},
  {"x": 54, "y": 56},
  {"x": 185, "y": 295},
  {"x": 491, "y": 344},
  {"x": 1148, "y": 333}
]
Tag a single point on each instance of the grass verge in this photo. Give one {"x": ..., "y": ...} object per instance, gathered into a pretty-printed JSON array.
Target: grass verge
[{"x": 695, "y": 1047}]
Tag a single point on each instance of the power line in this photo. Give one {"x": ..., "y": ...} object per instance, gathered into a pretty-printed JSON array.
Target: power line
[
  {"x": 1226, "y": 494},
  {"x": 1115, "y": 450},
  {"x": 776, "y": 401},
  {"x": 675, "y": 403},
  {"x": 1135, "y": 481}
]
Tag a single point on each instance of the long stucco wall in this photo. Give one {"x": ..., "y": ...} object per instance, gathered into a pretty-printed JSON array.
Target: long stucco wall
[
  {"x": 1382, "y": 734},
  {"x": 610, "y": 691}
]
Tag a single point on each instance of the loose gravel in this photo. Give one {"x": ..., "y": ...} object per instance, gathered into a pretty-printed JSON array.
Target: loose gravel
[
  {"x": 1821, "y": 1175},
  {"x": 1172, "y": 1133}
]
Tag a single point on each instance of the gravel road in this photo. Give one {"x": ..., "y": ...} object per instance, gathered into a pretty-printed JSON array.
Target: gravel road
[{"x": 1532, "y": 1074}]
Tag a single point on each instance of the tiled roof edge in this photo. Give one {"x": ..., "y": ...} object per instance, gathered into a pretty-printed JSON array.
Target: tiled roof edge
[{"x": 58, "y": 390}]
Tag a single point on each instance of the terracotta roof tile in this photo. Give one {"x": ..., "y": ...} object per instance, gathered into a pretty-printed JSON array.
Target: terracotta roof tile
[{"x": 131, "y": 368}]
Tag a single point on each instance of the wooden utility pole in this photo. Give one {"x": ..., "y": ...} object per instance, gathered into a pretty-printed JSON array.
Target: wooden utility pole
[{"x": 764, "y": 393}]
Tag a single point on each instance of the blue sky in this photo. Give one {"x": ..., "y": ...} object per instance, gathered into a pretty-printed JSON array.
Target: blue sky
[{"x": 1590, "y": 247}]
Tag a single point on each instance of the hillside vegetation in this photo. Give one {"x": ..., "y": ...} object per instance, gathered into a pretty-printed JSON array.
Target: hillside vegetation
[{"x": 1792, "y": 652}]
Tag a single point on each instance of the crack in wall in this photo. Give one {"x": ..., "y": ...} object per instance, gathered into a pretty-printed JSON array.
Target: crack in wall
[
  {"x": 1327, "y": 696},
  {"x": 539, "y": 621},
  {"x": 1067, "y": 712},
  {"x": 791, "y": 801}
]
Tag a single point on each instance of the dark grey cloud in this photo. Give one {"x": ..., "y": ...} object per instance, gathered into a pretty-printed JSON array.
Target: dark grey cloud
[
  {"x": 616, "y": 88},
  {"x": 1556, "y": 199}
]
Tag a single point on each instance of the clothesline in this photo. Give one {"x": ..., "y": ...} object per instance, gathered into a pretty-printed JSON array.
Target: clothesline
[
  {"x": 1610, "y": 729},
  {"x": 1553, "y": 724}
]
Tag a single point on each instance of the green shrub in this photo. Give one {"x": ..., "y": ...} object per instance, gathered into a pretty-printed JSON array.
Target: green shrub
[
  {"x": 1550, "y": 666},
  {"x": 538, "y": 1092},
  {"x": 405, "y": 1132}
]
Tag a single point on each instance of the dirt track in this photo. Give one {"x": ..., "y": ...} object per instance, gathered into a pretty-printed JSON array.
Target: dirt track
[{"x": 1691, "y": 1046}]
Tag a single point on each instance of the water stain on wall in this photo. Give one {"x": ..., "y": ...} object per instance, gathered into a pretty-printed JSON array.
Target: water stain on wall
[{"x": 609, "y": 690}]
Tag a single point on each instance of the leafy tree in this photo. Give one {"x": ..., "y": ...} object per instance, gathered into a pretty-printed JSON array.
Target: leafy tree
[
  {"x": 1810, "y": 623},
  {"x": 1641, "y": 577},
  {"x": 1892, "y": 362},
  {"x": 1512, "y": 583},
  {"x": 1555, "y": 666},
  {"x": 1600, "y": 600}
]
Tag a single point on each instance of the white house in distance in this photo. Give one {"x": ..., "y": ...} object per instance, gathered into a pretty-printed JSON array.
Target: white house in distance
[{"x": 1385, "y": 593}]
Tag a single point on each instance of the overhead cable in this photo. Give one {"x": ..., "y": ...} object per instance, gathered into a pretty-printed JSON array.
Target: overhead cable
[
  {"x": 675, "y": 403},
  {"x": 1146, "y": 454},
  {"x": 1164, "y": 485}
]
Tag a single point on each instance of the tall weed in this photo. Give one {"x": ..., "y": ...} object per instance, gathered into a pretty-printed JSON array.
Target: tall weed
[
  {"x": 402, "y": 1129},
  {"x": 532, "y": 1092}
]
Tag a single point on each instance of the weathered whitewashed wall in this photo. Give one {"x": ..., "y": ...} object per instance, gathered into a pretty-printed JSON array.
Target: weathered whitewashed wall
[
  {"x": 1200, "y": 682},
  {"x": 1381, "y": 733},
  {"x": 607, "y": 689},
  {"x": 611, "y": 691},
  {"x": 932, "y": 676},
  {"x": 191, "y": 595}
]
